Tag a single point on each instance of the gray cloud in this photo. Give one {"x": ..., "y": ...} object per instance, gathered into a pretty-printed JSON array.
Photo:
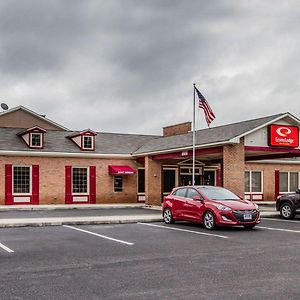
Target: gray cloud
[{"x": 129, "y": 66}]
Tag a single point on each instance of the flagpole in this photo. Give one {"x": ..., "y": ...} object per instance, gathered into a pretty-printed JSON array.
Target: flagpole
[{"x": 194, "y": 129}]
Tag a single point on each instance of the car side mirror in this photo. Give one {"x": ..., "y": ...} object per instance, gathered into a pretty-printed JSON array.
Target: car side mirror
[
  {"x": 197, "y": 198},
  {"x": 298, "y": 191}
]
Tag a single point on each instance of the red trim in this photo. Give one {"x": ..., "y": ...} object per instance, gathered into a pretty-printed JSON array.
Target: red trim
[
  {"x": 219, "y": 175},
  {"x": 68, "y": 184},
  {"x": 184, "y": 154},
  {"x": 276, "y": 184},
  {"x": 84, "y": 132},
  {"x": 272, "y": 156},
  {"x": 140, "y": 159},
  {"x": 271, "y": 149},
  {"x": 8, "y": 185},
  {"x": 92, "y": 197},
  {"x": 35, "y": 185}
]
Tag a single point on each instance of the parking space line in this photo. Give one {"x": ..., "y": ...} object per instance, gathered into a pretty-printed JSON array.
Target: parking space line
[
  {"x": 278, "y": 229},
  {"x": 280, "y": 220},
  {"x": 100, "y": 235},
  {"x": 6, "y": 248},
  {"x": 185, "y": 230}
]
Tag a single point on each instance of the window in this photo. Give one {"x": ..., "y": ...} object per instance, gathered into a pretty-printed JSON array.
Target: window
[
  {"x": 88, "y": 142},
  {"x": 288, "y": 182},
  {"x": 191, "y": 193},
  {"x": 141, "y": 181},
  {"x": 118, "y": 183},
  {"x": 180, "y": 192},
  {"x": 253, "y": 182},
  {"x": 21, "y": 180},
  {"x": 80, "y": 180},
  {"x": 36, "y": 140}
]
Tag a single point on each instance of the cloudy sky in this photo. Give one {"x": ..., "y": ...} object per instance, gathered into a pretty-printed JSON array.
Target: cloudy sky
[{"x": 129, "y": 65}]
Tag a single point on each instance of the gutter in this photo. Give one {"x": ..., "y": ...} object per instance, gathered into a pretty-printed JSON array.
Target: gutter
[{"x": 63, "y": 154}]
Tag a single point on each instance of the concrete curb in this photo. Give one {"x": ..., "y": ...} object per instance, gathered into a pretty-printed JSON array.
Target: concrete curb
[
  {"x": 69, "y": 206},
  {"x": 38, "y": 222}
]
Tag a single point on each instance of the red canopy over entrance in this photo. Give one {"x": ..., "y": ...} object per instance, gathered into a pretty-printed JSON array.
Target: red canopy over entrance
[{"x": 120, "y": 170}]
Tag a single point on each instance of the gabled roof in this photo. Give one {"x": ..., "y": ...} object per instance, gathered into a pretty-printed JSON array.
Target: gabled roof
[
  {"x": 58, "y": 142},
  {"x": 209, "y": 137},
  {"x": 41, "y": 117},
  {"x": 34, "y": 128},
  {"x": 83, "y": 132}
]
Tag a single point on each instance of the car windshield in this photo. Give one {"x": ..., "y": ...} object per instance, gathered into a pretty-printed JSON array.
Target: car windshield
[{"x": 218, "y": 194}]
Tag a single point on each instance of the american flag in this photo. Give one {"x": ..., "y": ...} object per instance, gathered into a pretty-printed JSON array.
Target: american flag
[{"x": 209, "y": 114}]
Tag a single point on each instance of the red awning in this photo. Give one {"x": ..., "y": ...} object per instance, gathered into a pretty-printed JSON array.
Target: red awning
[{"x": 120, "y": 170}]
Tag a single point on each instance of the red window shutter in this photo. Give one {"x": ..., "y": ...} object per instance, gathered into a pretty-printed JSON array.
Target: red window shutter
[
  {"x": 68, "y": 184},
  {"x": 93, "y": 185},
  {"x": 276, "y": 183},
  {"x": 8, "y": 185},
  {"x": 35, "y": 184}
]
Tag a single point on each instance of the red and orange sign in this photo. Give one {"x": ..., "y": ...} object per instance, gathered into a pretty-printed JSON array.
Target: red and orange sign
[{"x": 283, "y": 136}]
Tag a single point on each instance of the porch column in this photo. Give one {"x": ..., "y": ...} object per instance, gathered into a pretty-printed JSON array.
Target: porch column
[
  {"x": 234, "y": 168},
  {"x": 153, "y": 181}
]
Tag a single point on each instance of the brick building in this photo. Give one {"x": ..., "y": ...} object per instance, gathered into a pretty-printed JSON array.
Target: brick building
[{"x": 43, "y": 162}]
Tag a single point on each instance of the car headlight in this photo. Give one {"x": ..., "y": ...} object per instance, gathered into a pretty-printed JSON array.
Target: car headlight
[{"x": 222, "y": 207}]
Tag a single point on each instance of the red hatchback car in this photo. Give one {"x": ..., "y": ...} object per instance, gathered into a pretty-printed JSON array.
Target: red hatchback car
[{"x": 209, "y": 205}]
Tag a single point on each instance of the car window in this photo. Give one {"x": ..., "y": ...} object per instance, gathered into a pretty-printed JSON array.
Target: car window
[
  {"x": 191, "y": 193},
  {"x": 216, "y": 193},
  {"x": 180, "y": 192}
]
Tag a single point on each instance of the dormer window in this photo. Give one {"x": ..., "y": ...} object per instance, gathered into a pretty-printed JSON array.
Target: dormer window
[
  {"x": 85, "y": 140},
  {"x": 33, "y": 137},
  {"x": 36, "y": 140},
  {"x": 88, "y": 142}
]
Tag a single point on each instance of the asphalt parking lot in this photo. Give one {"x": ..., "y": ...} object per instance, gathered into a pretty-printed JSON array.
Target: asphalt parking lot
[{"x": 151, "y": 261}]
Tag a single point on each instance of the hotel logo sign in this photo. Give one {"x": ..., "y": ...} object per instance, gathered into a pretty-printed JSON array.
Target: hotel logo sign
[{"x": 283, "y": 136}]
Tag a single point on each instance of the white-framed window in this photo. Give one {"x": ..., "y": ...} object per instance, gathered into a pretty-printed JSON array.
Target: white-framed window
[
  {"x": 288, "y": 182},
  {"x": 253, "y": 182},
  {"x": 118, "y": 184},
  {"x": 88, "y": 142},
  {"x": 80, "y": 180},
  {"x": 22, "y": 180},
  {"x": 36, "y": 140}
]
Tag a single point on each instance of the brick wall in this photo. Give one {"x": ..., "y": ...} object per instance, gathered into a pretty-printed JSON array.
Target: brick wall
[
  {"x": 177, "y": 129},
  {"x": 52, "y": 178},
  {"x": 234, "y": 168},
  {"x": 153, "y": 181}
]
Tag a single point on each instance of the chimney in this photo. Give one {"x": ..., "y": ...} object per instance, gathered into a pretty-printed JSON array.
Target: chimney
[{"x": 177, "y": 129}]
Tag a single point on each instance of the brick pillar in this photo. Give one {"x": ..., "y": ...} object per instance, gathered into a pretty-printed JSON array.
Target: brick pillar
[
  {"x": 234, "y": 168},
  {"x": 153, "y": 181}
]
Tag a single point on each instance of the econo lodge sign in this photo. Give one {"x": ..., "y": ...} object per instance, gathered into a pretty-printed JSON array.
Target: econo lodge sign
[{"x": 283, "y": 136}]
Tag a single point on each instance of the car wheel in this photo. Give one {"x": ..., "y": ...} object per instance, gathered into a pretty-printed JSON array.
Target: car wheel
[
  {"x": 209, "y": 220},
  {"x": 249, "y": 226},
  {"x": 287, "y": 211},
  {"x": 168, "y": 216}
]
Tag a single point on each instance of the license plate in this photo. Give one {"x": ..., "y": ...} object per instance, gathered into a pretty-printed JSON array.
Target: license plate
[{"x": 247, "y": 217}]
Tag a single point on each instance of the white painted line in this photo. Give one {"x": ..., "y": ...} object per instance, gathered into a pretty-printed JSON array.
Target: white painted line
[
  {"x": 99, "y": 235},
  {"x": 185, "y": 230},
  {"x": 282, "y": 220},
  {"x": 6, "y": 248},
  {"x": 278, "y": 229}
]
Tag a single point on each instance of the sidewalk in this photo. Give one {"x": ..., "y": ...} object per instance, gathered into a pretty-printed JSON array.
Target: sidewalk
[{"x": 139, "y": 212}]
